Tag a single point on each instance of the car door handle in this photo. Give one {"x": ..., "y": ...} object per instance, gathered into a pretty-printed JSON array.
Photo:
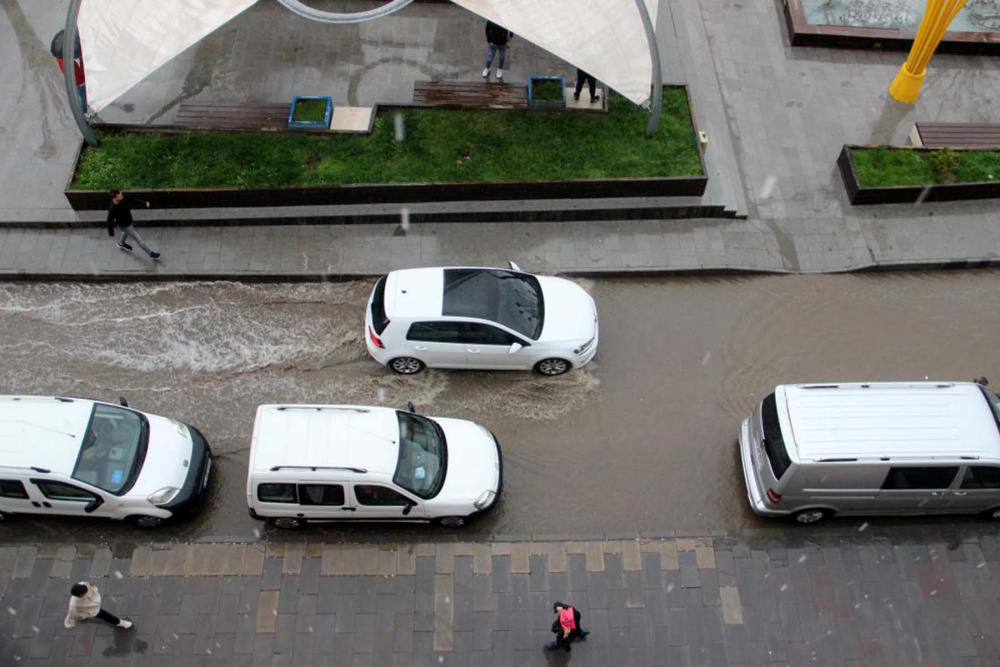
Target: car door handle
[
  {"x": 420, "y": 347},
  {"x": 348, "y": 509},
  {"x": 938, "y": 493},
  {"x": 36, "y": 504},
  {"x": 961, "y": 493},
  {"x": 49, "y": 505},
  {"x": 472, "y": 350}
]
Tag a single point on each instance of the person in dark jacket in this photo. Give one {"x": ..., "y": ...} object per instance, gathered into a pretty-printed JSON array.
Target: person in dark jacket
[
  {"x": 581, "y": 78},
  {"x": 497, "y": 38},
  {"x": 566, "y": 626},
  {"x": 120, "y": 218}
]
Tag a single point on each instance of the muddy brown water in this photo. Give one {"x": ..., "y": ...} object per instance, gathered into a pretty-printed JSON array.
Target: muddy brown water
[{"x": 642, "y": 439}]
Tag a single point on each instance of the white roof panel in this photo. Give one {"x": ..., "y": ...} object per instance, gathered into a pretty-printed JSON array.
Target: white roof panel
[
  {"x": 42, "y": 432},
  {"x": 326, "y": 436},
  {"x": 890, "y": 419}
]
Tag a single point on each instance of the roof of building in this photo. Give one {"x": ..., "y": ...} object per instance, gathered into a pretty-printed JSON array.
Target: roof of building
[
  {"x": 919, "y": 420},
  {"x": 42, "y": 431}
]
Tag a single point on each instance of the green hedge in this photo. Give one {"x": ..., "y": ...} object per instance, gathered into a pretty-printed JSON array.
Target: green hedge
[
  {"x": 881, "y": 167},
  {"x": 440, "y": 145}
]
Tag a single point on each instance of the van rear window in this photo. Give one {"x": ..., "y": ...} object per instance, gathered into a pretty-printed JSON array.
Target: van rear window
[
  {"x": 774, "y": 444},
  {"x": 379, "y": 320}
]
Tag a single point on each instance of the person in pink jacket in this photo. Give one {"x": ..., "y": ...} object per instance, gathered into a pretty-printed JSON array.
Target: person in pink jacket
[
  {"x": 566, "y": 626},
  {"x": 85, "y": 603}
]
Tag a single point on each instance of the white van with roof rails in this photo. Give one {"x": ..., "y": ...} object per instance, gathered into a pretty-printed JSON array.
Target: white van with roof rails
[
  {"x": 361, "y": 463},
  {"x": 813, "y": 451},
  {"x": 78, "y": 457}
]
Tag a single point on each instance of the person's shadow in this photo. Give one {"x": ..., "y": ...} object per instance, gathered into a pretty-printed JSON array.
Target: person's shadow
[{"x": 124, "y": 643}]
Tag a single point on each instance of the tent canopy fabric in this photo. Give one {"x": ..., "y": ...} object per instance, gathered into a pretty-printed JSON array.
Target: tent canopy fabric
[{"x": 124, "y": 41}]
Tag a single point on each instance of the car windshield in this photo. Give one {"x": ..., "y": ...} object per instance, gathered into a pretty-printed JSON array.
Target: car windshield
[
  {"x": 423, "y": 455},
  {"x": 994, "y": 401},
  {"x": 113, "y": 450},
  {"x": 512, "y": 299},
  {"x": 774, "y": 442}
]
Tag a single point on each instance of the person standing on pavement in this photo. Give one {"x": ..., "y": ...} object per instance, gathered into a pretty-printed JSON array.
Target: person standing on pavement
[
  {"x": 497, "y": 38},
  {"x": 85, "y": 603},
  {"x": 120, "y": 218},
  {"x": 581, "y": 78},
  {"x": 566, "y": 626}
]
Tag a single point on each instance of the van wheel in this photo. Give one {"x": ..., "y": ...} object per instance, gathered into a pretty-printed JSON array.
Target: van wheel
[
  {"x": 146, "y": 521},
  {"x": 811, "y": 516},
  {"x": 406, "y": 365},
  {"x": 993, "y": 513},
  {"x": 287, "y": 523},
  {"x": 5, "y": 517},
  {"x": 451, "y": 521},
  {"x": 552, "y": 366}
]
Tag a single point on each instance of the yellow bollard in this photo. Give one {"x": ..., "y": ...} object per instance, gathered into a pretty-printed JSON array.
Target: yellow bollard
[{"x": 937, "y": 17}]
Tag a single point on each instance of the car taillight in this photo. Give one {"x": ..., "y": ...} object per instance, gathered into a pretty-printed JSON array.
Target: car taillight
[
  {"x": 773, "y": 496},
  {"x": 375, "y": 339}
]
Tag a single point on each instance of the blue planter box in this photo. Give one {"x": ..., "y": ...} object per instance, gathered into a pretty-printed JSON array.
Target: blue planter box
[
  {"x": 310, "y": 124},
  {"x": 546, "y": 104}
]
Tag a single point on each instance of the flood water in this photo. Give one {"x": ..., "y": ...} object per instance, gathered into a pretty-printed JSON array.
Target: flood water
[
  {"x": 642, "y": 439},
  {"x": 976, "y": 16}
]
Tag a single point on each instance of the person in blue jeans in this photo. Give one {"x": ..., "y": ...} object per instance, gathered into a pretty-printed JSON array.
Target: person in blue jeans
[{"x": 497, "y": 39}]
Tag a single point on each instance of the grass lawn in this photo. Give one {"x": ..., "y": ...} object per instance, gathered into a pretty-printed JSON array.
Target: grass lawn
[
  {"x": 309, "y": 111},
  {"x": 547, "y": 90},
  {"x": 879, "y": 167},
  {"x": 440, "y": 145}
]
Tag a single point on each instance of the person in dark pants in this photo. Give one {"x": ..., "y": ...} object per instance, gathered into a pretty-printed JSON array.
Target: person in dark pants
[
  {"x": 120, "y": 218},
  {"x": 581, "y": 78},
  {"x": 566, "y": 626},
  {"x": 497, "y": 38},
  {"x": 85, "y": 603}
]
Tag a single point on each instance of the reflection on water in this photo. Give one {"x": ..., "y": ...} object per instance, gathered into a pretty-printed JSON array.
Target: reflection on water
[{"x": 976, "y": 16}]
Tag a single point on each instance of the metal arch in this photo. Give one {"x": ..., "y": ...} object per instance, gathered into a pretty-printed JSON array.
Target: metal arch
[
  {"x": 69, "y": 73},
  {"x": 307, "y": 12},
  {"x": 654, "y": 55}
]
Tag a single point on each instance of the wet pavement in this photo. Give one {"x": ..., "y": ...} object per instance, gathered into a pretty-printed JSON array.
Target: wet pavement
[{"x": 643, "y": 439}]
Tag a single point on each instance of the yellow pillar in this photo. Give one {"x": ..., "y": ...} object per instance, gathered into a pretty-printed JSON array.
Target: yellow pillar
[{"x": 937, "y": 17}]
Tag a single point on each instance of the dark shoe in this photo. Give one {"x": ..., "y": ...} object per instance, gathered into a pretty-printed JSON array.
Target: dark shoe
[
  {"x": 154, "y": 255},
  {"x": 576, "y": 96},
  {"x": 595, "y": 98},
  {"x": 551, "y": 646},
  {"x": 583, "y": 634},
  {"x": 124, "y": 246}
]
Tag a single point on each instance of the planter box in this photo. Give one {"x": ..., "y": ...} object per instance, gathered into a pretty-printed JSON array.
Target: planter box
[
  {"x": 907, "y": 194},
  {"x": 310, "y": 124},
  {"x": 547, "y": 104}
]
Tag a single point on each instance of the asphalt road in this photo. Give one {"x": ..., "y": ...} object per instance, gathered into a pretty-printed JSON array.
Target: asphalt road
[{"x": 642, "y": 439}]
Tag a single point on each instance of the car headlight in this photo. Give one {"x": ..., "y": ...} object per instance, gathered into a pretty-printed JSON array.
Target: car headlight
[
  {"x": 182, "y": 429},
  {"x": 163, "y": 496},
  {"x": 586, "y": 346},
  {"x": 483, "y": 501},
  {"x": 488, "y": 433}
]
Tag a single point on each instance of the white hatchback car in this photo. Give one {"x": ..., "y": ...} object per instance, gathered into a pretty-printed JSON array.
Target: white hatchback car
[
  {"x": 337, "y": 462},
  {"x": 467, "y": 317}
]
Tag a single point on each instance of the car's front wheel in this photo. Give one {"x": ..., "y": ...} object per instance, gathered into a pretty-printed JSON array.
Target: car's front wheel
[
  {"x": 146, "y": 521},
  {"x": 811, "y": 516},
  {"x": 406, "y": 365},
  {"x": 552, "y": 366},
  {"x": 451, "y": 521},
  {"x": 286, "y": 523}
]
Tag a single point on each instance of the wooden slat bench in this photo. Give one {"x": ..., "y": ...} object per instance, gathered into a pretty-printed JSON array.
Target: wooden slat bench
[
  {"x": 465, "y": 94},
  {"x": 233, "y": 116},
  {"x": 956, "y": 135}
]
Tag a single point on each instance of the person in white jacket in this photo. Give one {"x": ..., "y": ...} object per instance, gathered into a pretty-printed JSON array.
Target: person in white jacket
[{"x": 85, "y": 603}]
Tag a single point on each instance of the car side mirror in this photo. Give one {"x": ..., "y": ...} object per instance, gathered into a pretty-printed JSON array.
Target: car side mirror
[
  {"x": 981, "y": 380},
  {"x": 513, "y": 266},
  {"x": 409, "y": 406},
  {"x": 122, "y": 401},
  {"x": 407, "y": 508},
  {"x": 514, "y": 348},
  {"x": 93, "y": 505}
]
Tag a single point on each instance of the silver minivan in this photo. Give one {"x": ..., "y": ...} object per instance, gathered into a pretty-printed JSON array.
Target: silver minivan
[{"x": 815, "y": 450}]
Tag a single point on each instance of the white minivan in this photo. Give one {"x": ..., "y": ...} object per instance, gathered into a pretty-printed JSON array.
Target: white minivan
[
  {"x": 78, "y": 457},
  {"x": 360, "y": 463},
  {"x": 811, "y": 451},
  {"x": 481, "y": 318}
]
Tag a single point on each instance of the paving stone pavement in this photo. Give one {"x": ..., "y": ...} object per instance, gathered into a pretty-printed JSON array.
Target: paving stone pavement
[{"x": 722, "y": 600}]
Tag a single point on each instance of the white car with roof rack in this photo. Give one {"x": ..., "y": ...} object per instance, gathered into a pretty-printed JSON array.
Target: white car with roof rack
[
  {"x": 79, "y": 457},
  {"x": 480, "y": 318},
  {"x": 361, "y": 463}
]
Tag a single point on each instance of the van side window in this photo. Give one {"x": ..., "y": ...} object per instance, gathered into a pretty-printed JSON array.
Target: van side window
[
  {"x": 12, "y": 488},
  {"x": 919, "y": 478},
  {"x": 61, "y": 491},
  {"x": 370, "y": 494},
  {"x": 981, "y": 477},
  {"x": 321, "y": 494},
  {"x": 276, "y": 493},
  {"x": 774, "y": 443}
]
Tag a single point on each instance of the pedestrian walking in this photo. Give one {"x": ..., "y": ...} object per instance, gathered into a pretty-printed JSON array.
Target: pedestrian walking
[
  {"x": 497, "y": 39},
  {"x": 566, "y": 626},
  {"x": 79, "y": 74},
  {"x": 120, "y": 218},
  {"x": 85, "y": 603},
  {"x": 581, "y": 78}
]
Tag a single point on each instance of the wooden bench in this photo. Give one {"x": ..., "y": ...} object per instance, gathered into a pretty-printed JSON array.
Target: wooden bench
[
  {"x": 466, "y": 94},
  {"x": 956, "y": 135},
  {"x": 233, "y": 116}
]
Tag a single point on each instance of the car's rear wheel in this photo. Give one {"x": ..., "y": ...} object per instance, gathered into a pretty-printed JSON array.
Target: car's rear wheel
[
  {"x": 406, "y": 365},
  {"x": 811, "y": 516},
  {"x": 552, "y": 367},
  {"x": 145, "y": 521},
  {"x": 286, "y": 523},
  {"x": 451, "y": 521}
]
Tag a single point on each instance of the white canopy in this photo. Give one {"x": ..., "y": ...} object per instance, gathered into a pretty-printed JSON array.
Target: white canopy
[{"x": 124, "y": 41}]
